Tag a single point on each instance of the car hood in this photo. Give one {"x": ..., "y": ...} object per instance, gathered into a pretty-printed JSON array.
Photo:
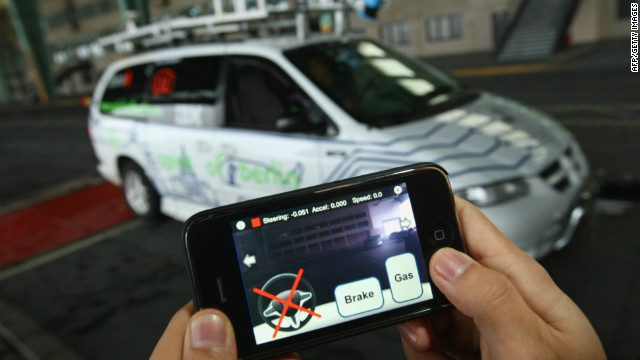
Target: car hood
[{"x": 488, "y": 140}]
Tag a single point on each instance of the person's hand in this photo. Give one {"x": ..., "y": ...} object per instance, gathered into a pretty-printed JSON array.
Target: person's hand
[
  {"x": 207, "y": 334},
  {"x": 507, "y": 305}
]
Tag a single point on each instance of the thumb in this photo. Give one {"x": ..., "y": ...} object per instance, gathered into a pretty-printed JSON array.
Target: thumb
[
  {"x": 209, "y": 336},
  {"x": 485, "y": 295}
]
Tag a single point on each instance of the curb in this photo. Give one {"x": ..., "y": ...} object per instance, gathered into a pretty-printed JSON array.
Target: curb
[
  {"x": 509, "y": 69},
  {"x": 11, "y": 108}
]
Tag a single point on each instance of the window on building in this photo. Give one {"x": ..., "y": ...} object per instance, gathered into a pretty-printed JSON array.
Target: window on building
[
  {"x": 58, "y": 20},
  {"x": 73, "y": 16},
  {"x": 444, "y": 27},
  {"x": 398, "y": 33},
  {"x": 252, "y": 4},
  {"x": 500, "y": 25},
  {"x": 106, "y": 6},
  {"x": 228, "y": 6},
  {"x": 87, "y": 11}
]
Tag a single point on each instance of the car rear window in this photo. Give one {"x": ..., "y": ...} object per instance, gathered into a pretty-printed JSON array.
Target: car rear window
[
  {"x": 143, "y": 91},
  {"x": 125, "y": 92}
]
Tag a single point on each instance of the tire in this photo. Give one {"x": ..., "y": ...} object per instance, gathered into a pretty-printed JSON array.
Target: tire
[{"x": 141, "y": 197}]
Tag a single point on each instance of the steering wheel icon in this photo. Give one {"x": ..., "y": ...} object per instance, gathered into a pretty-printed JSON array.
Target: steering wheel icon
[{"x": 293, "y": 305}]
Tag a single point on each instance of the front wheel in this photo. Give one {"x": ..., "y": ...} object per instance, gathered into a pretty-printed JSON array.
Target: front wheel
[{"x": 140, "y": 195}]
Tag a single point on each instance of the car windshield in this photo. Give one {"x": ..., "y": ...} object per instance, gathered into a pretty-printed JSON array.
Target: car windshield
[{"x": 377, "y": 85}]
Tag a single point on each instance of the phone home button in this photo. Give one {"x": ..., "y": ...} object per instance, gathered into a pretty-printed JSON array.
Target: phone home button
[{"x": 441, "y": 234}]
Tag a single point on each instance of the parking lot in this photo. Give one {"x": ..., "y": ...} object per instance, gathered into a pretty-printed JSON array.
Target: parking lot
[{"x": 105, "y": 284}]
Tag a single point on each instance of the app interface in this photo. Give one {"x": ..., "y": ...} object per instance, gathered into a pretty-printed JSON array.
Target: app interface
[{"x": 325, "y": 263}]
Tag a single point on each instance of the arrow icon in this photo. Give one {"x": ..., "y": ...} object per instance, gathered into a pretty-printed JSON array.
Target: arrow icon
[
  {"x": 249, "y": 260},
  {"x": 405, "y": 223}
]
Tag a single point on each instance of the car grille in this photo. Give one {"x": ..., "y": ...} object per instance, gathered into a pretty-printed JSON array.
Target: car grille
[{"x": 559, "y": 173}]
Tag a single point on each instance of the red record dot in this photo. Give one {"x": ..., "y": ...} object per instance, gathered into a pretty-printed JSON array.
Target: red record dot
[
  {"x": 163, "y": 82},
  {"x": 128, "y": 79}
]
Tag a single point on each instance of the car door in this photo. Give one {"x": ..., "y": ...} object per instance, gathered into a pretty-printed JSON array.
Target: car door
[
  {"x": 270, "y": 140},
  {"x": 117, "y": 122},
  {"x": 180, "y": 138}
]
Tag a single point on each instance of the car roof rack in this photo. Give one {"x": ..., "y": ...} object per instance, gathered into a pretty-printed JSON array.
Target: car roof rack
[{"x": 243, "y": 21}]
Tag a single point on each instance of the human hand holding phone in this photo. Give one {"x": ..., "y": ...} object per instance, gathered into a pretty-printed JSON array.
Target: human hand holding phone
[{"x": 507, "y": 305}]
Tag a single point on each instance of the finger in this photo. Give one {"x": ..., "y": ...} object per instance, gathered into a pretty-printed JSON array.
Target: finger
[
  {"x": 483, "y": 294},
  {"x": 419, "y": 340},
  {"x": 491, "y": 248},
  {"x": 446, "y": 331},
  {"x": 412, "y": 354},
  {"x": 462, "y": 334},
  {"x": 419, "y": 335},
  {"x": 209, "y": 336},
  {"x": 291, "y": 356},
  {"x": 170, "y": 344}
]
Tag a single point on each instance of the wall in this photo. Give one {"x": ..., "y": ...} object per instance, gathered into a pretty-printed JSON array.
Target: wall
[
  {"x": 597, "y": 19},
  {"x": 477, "y": 24}
]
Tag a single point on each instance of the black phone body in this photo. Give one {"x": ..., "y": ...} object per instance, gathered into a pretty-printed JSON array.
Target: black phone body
[{"x": 317, "y": 264}]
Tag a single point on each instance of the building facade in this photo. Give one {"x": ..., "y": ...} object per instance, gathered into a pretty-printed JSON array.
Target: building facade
[{"x": 445, "y": 27}]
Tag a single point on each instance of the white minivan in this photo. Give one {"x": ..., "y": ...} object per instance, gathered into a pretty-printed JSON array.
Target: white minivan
[{"x": 189, "y": 128}]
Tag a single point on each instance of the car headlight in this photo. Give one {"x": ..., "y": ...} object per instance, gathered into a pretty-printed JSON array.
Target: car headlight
[{"x": 496, "y": 193}]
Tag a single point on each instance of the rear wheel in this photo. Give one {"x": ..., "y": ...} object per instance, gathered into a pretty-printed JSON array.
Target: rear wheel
[{"x": 141, "y": 197}]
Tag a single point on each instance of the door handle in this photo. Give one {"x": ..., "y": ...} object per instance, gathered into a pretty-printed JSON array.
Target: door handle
[
  {"x": 228, "y": 149},
  {"x": 336, "y": 153}
]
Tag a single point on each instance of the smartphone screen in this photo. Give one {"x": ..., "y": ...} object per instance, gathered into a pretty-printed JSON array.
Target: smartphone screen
[{"x": 329, "y": 262}]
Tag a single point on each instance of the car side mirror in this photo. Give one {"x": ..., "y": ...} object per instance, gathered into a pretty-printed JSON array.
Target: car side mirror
[
  {"x": 288, "y": 124},
  {"x": 296, "y": 123}
]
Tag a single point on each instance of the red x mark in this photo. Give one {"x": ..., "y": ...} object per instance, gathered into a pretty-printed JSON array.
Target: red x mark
[{"x": 287, "y": 303}]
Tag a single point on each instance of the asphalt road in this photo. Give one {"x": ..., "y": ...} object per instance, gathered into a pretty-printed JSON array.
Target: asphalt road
[{"x": 111, "y": 294}]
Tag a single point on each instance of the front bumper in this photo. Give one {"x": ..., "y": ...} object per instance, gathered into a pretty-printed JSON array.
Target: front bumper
[
  {"x": 546, "y": 220},
  {"x": 571, "y": 224}
]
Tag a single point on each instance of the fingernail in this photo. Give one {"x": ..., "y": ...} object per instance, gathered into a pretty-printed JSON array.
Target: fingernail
[
  {"x": 409, "y": 336},
  {"x": 451, "y": 264},
  {"x": 208, "y": 331}
]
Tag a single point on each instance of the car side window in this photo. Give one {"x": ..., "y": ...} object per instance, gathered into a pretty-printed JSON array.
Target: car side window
[
  {"x": 261, "y": 96},
  {"x": 187, "y": 81},
  {"x": 124, "y": 95},
  {"x": 184, "y": 91}
]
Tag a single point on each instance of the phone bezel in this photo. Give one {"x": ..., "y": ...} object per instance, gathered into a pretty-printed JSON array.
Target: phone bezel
[{"x": 427, "y": 184}]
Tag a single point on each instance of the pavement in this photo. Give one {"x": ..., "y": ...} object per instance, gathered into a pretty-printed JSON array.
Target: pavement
[{"x": 53, "y": 223}]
